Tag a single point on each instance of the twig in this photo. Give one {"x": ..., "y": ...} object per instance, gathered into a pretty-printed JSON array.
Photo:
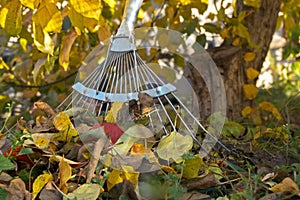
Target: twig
[
  {"x": 98, "y": 147},
  {"x": 43, "y": 85}
]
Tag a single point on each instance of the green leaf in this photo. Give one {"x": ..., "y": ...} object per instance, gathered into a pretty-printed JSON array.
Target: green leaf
[
  {"x": 296, "y": 67},
  {"x": 232, "y": 129},
  {"x": 11, "y": 17},
  {"x": 25, "y": 151},
  {"x": 6, "y": 164},
  {"x": 86, "y": 191},
  {"x": 173, "y": 146},
  {"x": 3, "y": 193},
  {"x": 192, "y": 166},
  {"x": 253, "y": 3},
  {"x": 201, "y": 39},
  {"x": 212, "y": 28}
]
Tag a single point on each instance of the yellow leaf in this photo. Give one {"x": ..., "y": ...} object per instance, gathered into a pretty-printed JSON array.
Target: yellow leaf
[
  {"x": 39, "y": 183},
  {"x": 87, "y": 8},
  {"x": 112, "y": 114},
  {"x": 252, "y": 73},
  {"x": 117, "y": 176},
  {"x": 66, "y": 45},
  {"x": 65, "y": 135},
  {"x": 286, "y": 186},
  {"x": 246, "y": 111},
  {"x": 141, "y": 14},
  {"x": 42, "y": 40},
  {"x": 32, "y": 4},
  {"x": 91, "y": 24},
  {"x": 139, "y": 149},
  {"x": 104, "y": 32},
  {"x": 48, "y": 17},
  {"x": 216, "y": 171},
  {"x": 236, "y": 42},
  {"x": 250, "y": 91},
  {"x": 168, "y": 169},
  {"x": 249, "y": 56},
  {"x": 42, "y": 143},
  {"x": 11, "y": 17},
  {"x": 253, "y": 3},
  {"x": 268, "y": 106},
  {"x": 23, "y": 44},
  {"x": 173, "y": 146},
  {"x": 62, "y": 121},
  {"x": 191, "y": 167},
  {"x": 65, "y": 173},
  {"x": 3, "y": 65},
  {"x": 76, "y": 18},
  {"x": 111, "y": 3}
]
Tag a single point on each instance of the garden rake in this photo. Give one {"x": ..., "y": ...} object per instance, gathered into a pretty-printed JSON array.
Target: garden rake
[{"x": 123, "y": 76}]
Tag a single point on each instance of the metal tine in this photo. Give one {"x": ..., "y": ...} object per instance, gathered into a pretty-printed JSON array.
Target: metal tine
[
  {"x": 199, "y": 124},
  {"x": 147, "y": 87}
]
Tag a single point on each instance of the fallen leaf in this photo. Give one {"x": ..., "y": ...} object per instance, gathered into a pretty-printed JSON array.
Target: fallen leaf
[
  {"x": 6, "y": 164},
  {"x": 112, "y": 114},
  {"x": 173, "y": 146},
  {"x": 246, "y": 111},
  {"x": 39, "y": 183},
  {"x": 201, "y": 182},
  {"x": 110, "y": 129},
  {"x": 287, "y": 185},
  {"x": 194, "y": 195},
  {"x": 44, "y": 107},
  {"x": 88, "y": 191},
  {"x": 17, "y": 190},
  {"x": 62, "y": 121},
  {"x": 65, "y": 173},
  {"x": 118, "y": 176},
  {"x": 192, "y": 166}
]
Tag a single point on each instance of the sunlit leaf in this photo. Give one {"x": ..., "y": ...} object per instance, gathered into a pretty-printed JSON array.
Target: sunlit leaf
[
  {"x": 216, "y": 170},
  {"x": 11, "y": 17},
  {"x": 112, "y": 114},
  {"x": 23, "y": 43},
  {"x": 66, "y": 46},
  {"x": 62, "y": 121},
  {"x": 65, "y": 173},
  {"x": 86, "y": 191},
  {"x": 32, "y": 4},
  {"x": 173, "y": 146},
  {"x": 111, "y": 3},
  {"x": 76, "y": 18},
  {"x": 39, "y": 183},
  {"x": 118, "y": 176},
  {"x": 252, "y": 73},
  {"x": 250, "y": 91},
  {"x": 104, "y": 32},
  {"x": 48, "y": 17},
  {"x": 87, "y": 8},
  {"x": 287, "y": 185},
  {"x": 253, "y": 3}
]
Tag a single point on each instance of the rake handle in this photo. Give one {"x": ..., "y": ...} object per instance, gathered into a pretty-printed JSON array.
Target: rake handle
[{"x": 129, "y": 17}]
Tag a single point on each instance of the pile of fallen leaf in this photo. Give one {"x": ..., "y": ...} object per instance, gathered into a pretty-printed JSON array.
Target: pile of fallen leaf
[{"x": 51, "y": 158}]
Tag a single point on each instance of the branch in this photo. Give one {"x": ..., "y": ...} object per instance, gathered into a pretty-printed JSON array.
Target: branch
[{"x": 43, "y": 85}]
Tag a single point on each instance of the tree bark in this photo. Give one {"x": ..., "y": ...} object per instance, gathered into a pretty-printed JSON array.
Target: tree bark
[{"x": 230, "y": 61}]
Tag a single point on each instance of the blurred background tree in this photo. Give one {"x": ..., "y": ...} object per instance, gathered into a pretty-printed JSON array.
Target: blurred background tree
[{"x": 43, "y": 42}]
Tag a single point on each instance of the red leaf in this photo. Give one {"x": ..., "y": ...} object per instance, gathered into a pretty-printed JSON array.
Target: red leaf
[
  {"x": 110, "y": 129},
  {"x": 14, "y": 153}
]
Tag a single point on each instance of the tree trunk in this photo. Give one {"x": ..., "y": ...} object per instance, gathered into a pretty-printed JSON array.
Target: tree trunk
[{"x": 230, "y": 61}]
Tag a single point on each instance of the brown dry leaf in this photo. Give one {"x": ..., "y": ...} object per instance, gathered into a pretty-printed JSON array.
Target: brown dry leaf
[
  {"x": 65, "y": 173},
  {"x": 207, "y": 181},
  {"x": 44, "y": 107},
  {"x": 286, "y": 186},
  {"x": 17, "y": 190}
]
